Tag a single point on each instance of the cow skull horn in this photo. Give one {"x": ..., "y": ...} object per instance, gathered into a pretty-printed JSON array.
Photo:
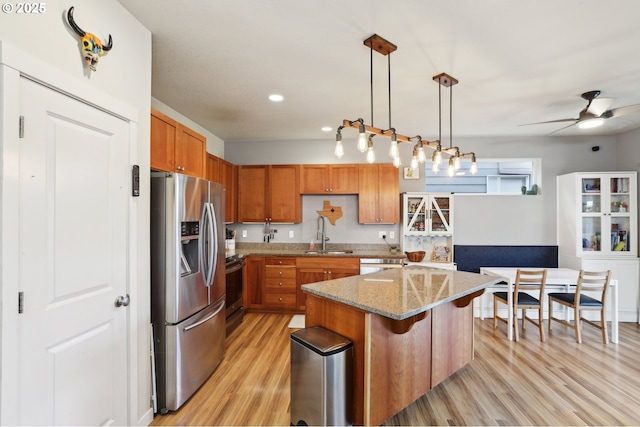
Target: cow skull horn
[
  {"x": 75, "y": 27},
  {"x": 109, "y": 45}
]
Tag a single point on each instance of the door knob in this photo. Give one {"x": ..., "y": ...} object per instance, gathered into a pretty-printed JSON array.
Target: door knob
[{"x": 122, "y": 301}]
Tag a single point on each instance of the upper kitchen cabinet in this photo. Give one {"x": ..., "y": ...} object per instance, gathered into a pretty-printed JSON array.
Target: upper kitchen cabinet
[
  {"x": 327, "y": 179},
  {"x": 223, "y": 172},
  {"x": 176, "y": 148},
  {"x": 229, "y": 178},
  {"x": 269, "y": 193},
  {"x": 213, "y": 168},
  {"x": 379, "y": 190}
]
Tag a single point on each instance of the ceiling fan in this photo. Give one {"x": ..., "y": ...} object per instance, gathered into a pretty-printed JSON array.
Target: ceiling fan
[{"x": 595, "y": 113}]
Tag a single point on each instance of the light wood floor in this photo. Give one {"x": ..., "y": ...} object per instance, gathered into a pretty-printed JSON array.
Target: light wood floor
[{"x": 558, "y": 382}]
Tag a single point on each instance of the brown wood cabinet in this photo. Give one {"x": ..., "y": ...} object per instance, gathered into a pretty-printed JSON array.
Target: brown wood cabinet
[
  {"x": 253, "y": 283},
  {"x": 229, "y": 178},
  {"x": 223, "y": 172},
  {"x": 280, "y": 283},
  {"x": 379, "y": 194},
  {"x": 325, "y": 179},
  {"x": 269, "y": 193},
  {"x": 176, "y": 148},
  {"x": 213, "y": 168},
  {"x": 318, "y": 269}
]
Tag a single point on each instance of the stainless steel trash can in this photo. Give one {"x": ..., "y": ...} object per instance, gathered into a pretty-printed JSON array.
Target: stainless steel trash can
[{"x": 321, "y": 378}]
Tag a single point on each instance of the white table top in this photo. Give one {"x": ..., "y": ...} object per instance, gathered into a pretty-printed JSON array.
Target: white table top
[{"x": 555, "y": 276}]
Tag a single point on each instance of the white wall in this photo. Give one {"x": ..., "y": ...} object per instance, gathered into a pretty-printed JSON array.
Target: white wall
[
  {"x": 124, "y": 73},
  {"x": 497, "y": 220},
  {"x": 215, "y": 145}
]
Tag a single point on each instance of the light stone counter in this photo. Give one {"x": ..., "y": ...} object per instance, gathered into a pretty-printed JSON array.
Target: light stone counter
[{"x": 400, "y": 293}]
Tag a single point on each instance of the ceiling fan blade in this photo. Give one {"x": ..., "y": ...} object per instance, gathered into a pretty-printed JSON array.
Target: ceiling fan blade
[
  {"x": 562, "y": 128},
  {"x": 621, "y": 111},
  {"x": 551, "y": 121},
  {"x": 600, "y": 105}
]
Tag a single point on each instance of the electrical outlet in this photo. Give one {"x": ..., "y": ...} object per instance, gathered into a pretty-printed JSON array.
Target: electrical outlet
[
  {"x": 392, "y": 235},
  {"x": 291, "y": 234},
  {"x": 381, "y": 234},
  {"x": 244, "y": 233}
]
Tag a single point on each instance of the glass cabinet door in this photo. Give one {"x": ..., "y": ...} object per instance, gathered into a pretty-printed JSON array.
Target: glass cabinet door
[
  {"x": 605, "y": 214},
  {"x": 440, "y": 215}
]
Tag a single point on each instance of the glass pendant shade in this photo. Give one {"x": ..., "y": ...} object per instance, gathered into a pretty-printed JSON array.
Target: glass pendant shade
[
  {"x": 362, "y": 142},
  {"x": 339, "y": 151},
  {"x": 421, "y": 156},
  {"x": 396, "y": 162},
  {"x": 414, "y": 162},
  {"x": 371, "y": 156},
  {"x": 393, "y": 149},
  {"x": 474, "y": 168}
]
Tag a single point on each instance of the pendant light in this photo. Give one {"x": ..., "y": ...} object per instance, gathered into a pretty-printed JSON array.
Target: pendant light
[{"x": 367, "y": 132}]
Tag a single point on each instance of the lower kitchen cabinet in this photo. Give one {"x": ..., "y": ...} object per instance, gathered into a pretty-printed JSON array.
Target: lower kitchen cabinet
[
  {"x": 274, "y": 283},
  {"x": 280, "y": 283},
  {"x": 253, "y": 285},
  {"x": 318, "y": 269}
]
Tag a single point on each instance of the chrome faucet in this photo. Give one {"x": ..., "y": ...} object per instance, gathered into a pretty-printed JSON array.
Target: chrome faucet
[{"x": 321, "y": 235}]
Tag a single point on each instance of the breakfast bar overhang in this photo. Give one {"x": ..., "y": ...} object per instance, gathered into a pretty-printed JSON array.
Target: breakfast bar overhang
[{"x": 411, "y": 328}]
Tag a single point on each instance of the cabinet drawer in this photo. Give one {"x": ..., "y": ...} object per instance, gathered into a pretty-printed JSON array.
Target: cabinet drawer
[
  {"x": 283, "y": 301},
  {"x": 275, "y": 284},
  {"x": 279, "y": 261},
  {"x": 328, "y": 262},
  {"x": 278, "y": 272}
]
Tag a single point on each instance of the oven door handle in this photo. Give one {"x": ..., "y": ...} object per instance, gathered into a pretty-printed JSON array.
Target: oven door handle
[{"x": 235, "y": 267}]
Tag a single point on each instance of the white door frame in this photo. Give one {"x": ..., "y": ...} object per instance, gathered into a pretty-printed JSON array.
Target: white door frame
[{"x": 13, "y": 64}]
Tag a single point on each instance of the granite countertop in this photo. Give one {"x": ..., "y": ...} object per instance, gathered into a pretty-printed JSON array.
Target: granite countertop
[
  {"x": 401, "y": 293},
  {"x": 300, "y": 250}
]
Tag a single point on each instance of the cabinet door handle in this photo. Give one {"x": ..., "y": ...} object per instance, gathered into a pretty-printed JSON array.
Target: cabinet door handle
[
  {"x": 280, "y": 299},
  {"x": 280, "y": 284}
]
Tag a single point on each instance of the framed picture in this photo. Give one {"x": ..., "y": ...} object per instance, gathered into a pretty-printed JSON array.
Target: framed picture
[{"x": 410, "y": 173}]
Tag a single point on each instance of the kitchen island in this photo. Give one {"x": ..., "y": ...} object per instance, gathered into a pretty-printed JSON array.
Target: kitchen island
[{"x": 411, "y": 328}]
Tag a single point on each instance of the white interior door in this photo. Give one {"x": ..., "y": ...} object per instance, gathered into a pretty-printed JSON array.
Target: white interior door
[{"x": 74, "y": 194}]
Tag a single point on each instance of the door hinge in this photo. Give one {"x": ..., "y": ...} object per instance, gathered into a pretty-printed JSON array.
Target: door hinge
[
  {"x": 20, "y": 302},
  {"x": 21, "y": 127}
]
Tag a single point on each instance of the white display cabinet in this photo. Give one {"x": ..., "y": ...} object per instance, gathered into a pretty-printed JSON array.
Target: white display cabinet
[
  {"x": 427, "y": 225},
  {"x": 597, "y": 229}
]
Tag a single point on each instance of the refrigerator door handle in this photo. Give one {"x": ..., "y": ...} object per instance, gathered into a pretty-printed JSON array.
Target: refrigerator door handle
[
  {"x": 213, "y": 242},
  {"x": 206, "y": 319},
  {"x": 206, "y": 255}
]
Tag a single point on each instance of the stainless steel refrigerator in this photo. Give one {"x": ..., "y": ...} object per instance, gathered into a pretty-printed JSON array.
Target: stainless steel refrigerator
[{"x": 187, "y": 284}]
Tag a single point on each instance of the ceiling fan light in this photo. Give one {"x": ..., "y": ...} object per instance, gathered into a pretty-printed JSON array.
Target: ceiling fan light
[{"x": 590, "y": 123}]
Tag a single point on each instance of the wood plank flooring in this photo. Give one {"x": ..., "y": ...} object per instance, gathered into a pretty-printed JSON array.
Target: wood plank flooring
[{"x": 558, "y": 382}]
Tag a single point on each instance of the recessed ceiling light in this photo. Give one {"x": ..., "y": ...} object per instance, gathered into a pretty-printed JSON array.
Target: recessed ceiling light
[
  {"x": 327, "y": 129},
  {"x": 275, "y": 97}
]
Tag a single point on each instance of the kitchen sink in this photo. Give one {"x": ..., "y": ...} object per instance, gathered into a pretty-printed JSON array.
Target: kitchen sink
[{"x": 328, "y": 252}]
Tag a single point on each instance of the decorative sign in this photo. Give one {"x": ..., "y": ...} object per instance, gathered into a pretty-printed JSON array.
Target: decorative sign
[{"x": 331, "y": 212}]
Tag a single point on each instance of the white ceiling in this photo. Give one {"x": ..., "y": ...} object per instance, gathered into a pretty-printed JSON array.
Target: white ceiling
[{"x": 518, "y": 61}]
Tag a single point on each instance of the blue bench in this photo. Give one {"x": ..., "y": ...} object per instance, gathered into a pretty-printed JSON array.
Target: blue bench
[{"x": 472, "y": 257}]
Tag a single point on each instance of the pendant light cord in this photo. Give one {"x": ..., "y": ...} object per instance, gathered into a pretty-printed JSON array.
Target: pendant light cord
[
  {"x": 371, "y": 77},
  {"x": 389, "y": 77},
  {"x": 439, "y": 113},
  {"x": 451, "y": 116}
]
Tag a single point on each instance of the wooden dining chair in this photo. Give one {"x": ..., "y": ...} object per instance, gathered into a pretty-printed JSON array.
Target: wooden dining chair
[
  {"x": 596, "y": 281},
  {"x": 526, "y": 280}
]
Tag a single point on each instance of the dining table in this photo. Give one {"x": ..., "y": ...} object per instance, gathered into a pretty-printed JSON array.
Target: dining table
[{"x": 557, "y": 279}]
